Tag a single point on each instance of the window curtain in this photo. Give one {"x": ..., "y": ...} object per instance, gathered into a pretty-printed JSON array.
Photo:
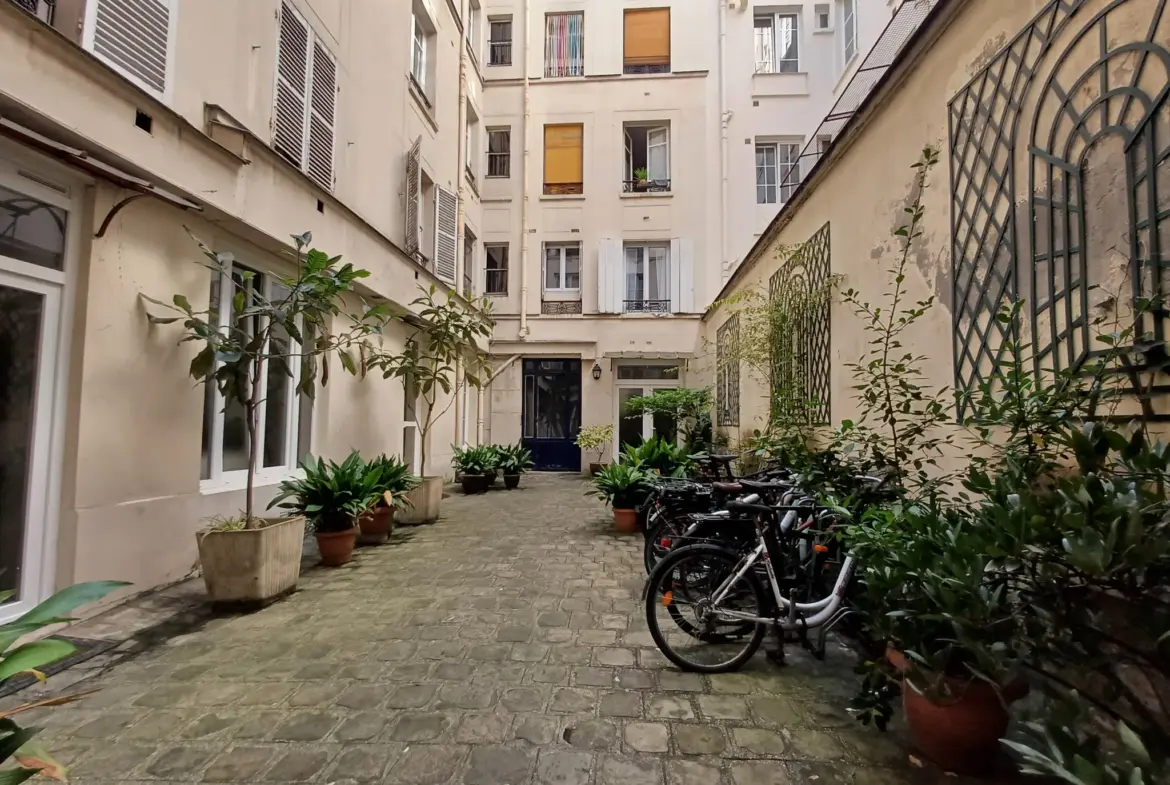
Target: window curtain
[
  {"x": 647, "y": 36},
  {"x": 658, "y": 154},
  {"x": 765, "y": 44},
  {"x": 635, "y": 288},
  {"x": 564, "y": 45},
  {"x": 658, "y": 274}
]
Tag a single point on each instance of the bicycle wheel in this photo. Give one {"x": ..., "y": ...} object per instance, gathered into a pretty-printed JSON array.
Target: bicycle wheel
[
  {"x": 653, "y": 550},
  {"x": 679, "y": 611}
]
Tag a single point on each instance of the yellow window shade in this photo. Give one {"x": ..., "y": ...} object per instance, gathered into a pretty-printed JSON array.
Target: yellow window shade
[
  {"x": 562, "y": 153},
  {"x": 647, "y": 36}
]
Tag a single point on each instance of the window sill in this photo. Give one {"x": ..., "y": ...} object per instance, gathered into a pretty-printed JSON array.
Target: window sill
[
  {"x": 779, "y": 83},
  {"x": 647, "y": 195},
  {"x": 562, "y": 197},
  {"x": 422, "y": 102},
  {"x": 561, "y": 294},
  {"x": 826, "y": 31},
  {"x": 233, "y": 482}
]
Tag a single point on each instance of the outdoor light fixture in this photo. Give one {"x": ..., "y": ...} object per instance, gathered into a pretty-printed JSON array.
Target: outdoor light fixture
[{"x": 596, "y": 371}]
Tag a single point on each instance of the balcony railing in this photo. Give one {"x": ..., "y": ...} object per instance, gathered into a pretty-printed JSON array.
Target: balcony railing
[
  {"x": 632, "y": 68},
  {"x": 499, "y": 53},
  {"x": 499, "y": 165},
  {"x": 41, "y": 9},
  {"x": 645, "y": 186},
  {"x": 647, "y": 306},
  {"x": 560, "y": 307},
  {"x": 495, "y": 282},
  {"x": 563, "y": 189}
]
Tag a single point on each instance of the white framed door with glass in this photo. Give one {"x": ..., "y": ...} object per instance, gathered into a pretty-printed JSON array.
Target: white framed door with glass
[{"x": 634, "y": 380}]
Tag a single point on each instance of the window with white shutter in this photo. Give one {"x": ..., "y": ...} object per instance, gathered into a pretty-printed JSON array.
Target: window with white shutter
[
  {"x": 446, "y": 228},
  {"x": 413, "y": 195},
  {"x": 306, "y": 99},
  {"x": 136, "y": 38}
]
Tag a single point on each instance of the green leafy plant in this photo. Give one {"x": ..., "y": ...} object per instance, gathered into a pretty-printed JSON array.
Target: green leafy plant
[
  {"x": 390, "y": 475},
  {"x": 332, "y": 496},
  {"x": 515, "y": 459},
  {"x": 658, "y": 455},
  {"x": 18, "y": 745},
  {"x": 623, "y": 486},
  {"x": 262, "y": 332},
  {"x": 474, "y": 460},
  {"x": 595, "y": 438},
  {"x": 447, "y": 339},
  {"x": 641, "y": 174},
  {"x": 683, "y": 406}
]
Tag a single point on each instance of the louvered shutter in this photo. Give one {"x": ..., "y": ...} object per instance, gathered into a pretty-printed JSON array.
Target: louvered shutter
[
  {"x": 413, "y": 186},
  {"x": 292, "y": 72},
  {"x": 133, "y": 36},
  {"x": 446, "y": 227},
  {"x": 610, "y": 276},
  {"x": 682, "y": 276},
  {"x": 322, "y": 102}
]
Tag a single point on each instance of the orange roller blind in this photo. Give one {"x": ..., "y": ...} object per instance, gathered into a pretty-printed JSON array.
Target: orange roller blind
[
  {"x": 562, "y": 153},
  {"x": 647, "y": 36}
]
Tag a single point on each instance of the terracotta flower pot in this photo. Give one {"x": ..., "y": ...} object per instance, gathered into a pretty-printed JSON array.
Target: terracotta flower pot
[
  {"x": 336, "y": 547},
  {"x": 625, "y": 521},
  {"x": 960, "y": 733},
  {"x": 476, "y": 483},
  {"x": 595, "y": 468},
  {"x": 376, "y": 526},
  {"x": 511, "y": 481}
]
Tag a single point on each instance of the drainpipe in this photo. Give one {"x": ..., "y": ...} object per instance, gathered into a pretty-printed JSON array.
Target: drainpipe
[
  {"x": 524, "y": 176},
  {"x": 461, "y": 191},
  {"x": 724, "y": 119},
  {"x": 483, "y": 391}
]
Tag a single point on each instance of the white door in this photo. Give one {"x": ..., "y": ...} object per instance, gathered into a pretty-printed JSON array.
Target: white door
[
  {"x": 33, "y": 239},
  {"x": 632, "y": 430}
]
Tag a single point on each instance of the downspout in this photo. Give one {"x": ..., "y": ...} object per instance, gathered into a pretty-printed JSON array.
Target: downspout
[
  {"x": 724, "y": 119},
  {"x": 483, "y": 391},
  {"x": 524, "y": 176},
  {"x": 461, "y": 191}
]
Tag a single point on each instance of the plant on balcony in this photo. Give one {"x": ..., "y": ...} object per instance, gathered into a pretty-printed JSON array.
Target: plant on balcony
[
  {"x": 595, "y": 438},
  {"x": 641, "y": 175}
]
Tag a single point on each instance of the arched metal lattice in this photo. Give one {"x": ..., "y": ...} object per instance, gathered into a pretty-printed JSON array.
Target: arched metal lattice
[
  {"x": 800, "y": 333},
  {"x": 1078, "y": 99},
  {"x": 727, "y": 372}
]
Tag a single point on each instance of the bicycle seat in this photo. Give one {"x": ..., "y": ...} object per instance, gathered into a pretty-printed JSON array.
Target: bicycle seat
[
  {"x": 726, "y": 459},
  {"x": 747, "y": 507},
  {"x": 727, "y": 487}
]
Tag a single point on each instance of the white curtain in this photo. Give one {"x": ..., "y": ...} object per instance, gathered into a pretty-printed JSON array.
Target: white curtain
[
  {"x": 658, "y": 274},
  {"x": 658, "y": 154},
  {"x": 634, "y": 273}
]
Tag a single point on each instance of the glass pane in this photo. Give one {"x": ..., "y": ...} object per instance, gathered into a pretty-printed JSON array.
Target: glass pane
[
  {"x": 573, "y": 267},
  {"x": 21, "y": 315},
  {"x": 634, "y": 288},
  {"x": 31, "y": 230},
  {"x": 210, "y": 399},
  {"x": 629, "y": 426},
  {"x": 658, "y": 274},
  {"x": 552, "y": 268},
  {"x": 666, "y": 426},
  {"x": 647, "y": 371},
  {"x": 235, "y": 420},
  {"x": 277, "y": 400}
]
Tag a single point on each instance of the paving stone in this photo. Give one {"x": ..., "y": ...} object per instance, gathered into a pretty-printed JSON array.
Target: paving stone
[
  {"x": 687, "y": 772},
  {"x": 493, "y": 652},
  {"x": 761, "y": 773},
  {"x": 520, "y": 699},
  {"x": 680, "y": 682},
  {"x": 549, "y": 674},
  {"x": 499, "y": 765},
  {"x": 723, "y": 707},
  {"x": 105, "y": 726},
  {"x": 514, "y": 634},
  {"x": 483, "y": 728},
  {"x": 427, "y": 764},
  {"x": 553, "y": 619},
  {"x": 313, "y": 695},
  {"x": 363, "y": 696},
  {"x": 647, "y": 737},
  {"x": 759, "y": 741},
  {"x": 363, "y": 762},
  {"x": 411, "y": 696},
  {"x": 108, "y": 761},
  {"x": 597, "y": 638},
  {"x": 592, "y": 735},
  {"x": 621, "y": 704},
  {"x": 567, "y": 700},
  {"x": 815, "y": 744},
  {"x": 636, "y": 680},
  {"x": 307, "y": 726},
  {"x": 563, "y": 768},
  {"x": 614, "y": 657},
  {"x": 158, "y": 726},
  {"x": 465, "y": 696},
  {"x": 669, "y": 707},
  {"x": 209, "y": 725},
  {"x": 178, "y": 761},
  {"x": 529, "y": 652},
  {"x": 420, "y": 727},
  {"x": 593, "y": 677},
  {"x": 614, "y": 770},
  {"x": 699, "y": 739},
  {"x": 361, "y": 727},
  {"x": 776, "y": 711},
  {"x": 734, "y": 683},
  {"x": 613, "y": 621},
  {"x": 239, "y": 764},
  {"x": 536, "y": 729},
  {"x": 569, "y": 655}
]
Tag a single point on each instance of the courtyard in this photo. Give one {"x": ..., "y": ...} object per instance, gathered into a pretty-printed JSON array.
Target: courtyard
[{"x": 504, "y": 644}]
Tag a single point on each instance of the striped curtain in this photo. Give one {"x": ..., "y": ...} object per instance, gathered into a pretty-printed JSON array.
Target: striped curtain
[{"x": 564, "y": 45}]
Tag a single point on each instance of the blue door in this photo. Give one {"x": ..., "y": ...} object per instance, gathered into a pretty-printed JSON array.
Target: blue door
[{"x": 552, "y": 413}]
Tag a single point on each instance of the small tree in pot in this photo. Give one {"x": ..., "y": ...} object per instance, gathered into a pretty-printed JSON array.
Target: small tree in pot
[
  {"x": 261, "y": 331},
  {"x": 595, "y": 438}
]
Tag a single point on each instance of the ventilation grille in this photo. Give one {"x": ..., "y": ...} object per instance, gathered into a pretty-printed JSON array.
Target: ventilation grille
[{"x": 132, "y": 35}]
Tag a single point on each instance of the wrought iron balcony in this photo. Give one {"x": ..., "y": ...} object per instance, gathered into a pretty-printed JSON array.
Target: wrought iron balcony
[
  {"x": 560, "y": 307},
  {"x": 496, "y": 282},
  {"x": 645, "y": 186},
  {"x": 647, "y": 306},
  {"x": 500, "y": 53},
  {"x": 41, "y": 9}
]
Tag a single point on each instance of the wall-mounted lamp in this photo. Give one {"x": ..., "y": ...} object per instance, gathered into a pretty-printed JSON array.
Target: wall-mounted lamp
[{"x": 596, "y": 371}]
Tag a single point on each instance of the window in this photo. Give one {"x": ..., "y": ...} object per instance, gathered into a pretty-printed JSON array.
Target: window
[
  {"x": 471, "y": 144},
  {"x": 305, "y": 98},
  {"x": 562, "y": 267},
  {"x": 823, "y": 144},
  {"x": 727, "y": 373},
  {"x": 499, "y": 163},
  {"x": 824, "y": 21},
  {"x": 647, "y": 158},
  {"x": 777, "y": 171},
  {"x": 134, "y": 37},
  {"x": 563, "y": 170},
  {"x": 647, "y": 41},
  {"x": 284, "y": 416},
  {"x": 777, "y": 44},
  {"x": 468, "y": 263},
  {"x": 647, "y": 278},
  {"x": 652, "y": 372},
  {"x": 421, "y": 40},
  {"x": 564, "y": 45},
  {"x": 849, "y": 28},
  {"x": 500, "y": 40},
  {"x": 471, "y": 29},
  {"x": 495, "y": 279}
]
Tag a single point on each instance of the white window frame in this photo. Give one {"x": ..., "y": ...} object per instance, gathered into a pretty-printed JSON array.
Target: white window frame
[
  {"x": 505, "y": 155},
  {"x": 507, "y": 263},
  {"x": 773, "y": 64},
  {"x": 849, "y": 30},
  {"x": 663, "y": 140},
  {"x": 472, "y": 28},
  {"x": 781, "y": 190},
  {"x": 644, "y": 260},
  {"x": 418, "y": 52},
  {"x": 492, "y": 21},
  {"x": 218, "y": 479},
  {"x": 828, "y": 10},
  {"x": 563, "y": 248},
  {"x": 89, "y": 28}
]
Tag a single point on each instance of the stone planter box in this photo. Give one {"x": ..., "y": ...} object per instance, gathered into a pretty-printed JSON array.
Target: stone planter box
[
  {"x": 252, "y": 567},
  {"x": 424, "y": 502}
]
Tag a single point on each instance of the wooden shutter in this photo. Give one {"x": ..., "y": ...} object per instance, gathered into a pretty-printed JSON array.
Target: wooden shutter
[
  {"x": 446, "y": 229},
  {"x": 562, "y": 154},
  {"x": 682, "y": 276},
  {"x": 610, "y": 276},
  {"x": 647, "y": 37},
  {"x": 322, "y": 106},
  {"x": 133, "y": 36},
  {"x": 413, "y": 197},
  {"x": 292, "y": 73}
]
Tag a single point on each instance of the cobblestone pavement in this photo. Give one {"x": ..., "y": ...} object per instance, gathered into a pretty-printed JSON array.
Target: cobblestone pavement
[{"x": 504, "y": 644}]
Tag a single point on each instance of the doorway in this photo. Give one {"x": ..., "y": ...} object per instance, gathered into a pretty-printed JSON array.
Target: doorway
[
  {"x": 551, "y": 417},
  {"x": 33, "y": 242},
  {"x": 635, "y": 380}
]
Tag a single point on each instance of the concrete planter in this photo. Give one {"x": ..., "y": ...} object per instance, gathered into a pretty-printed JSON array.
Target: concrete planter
[
  {"x": 424, "y": 502},
  {"x": 252, "y": 566}
]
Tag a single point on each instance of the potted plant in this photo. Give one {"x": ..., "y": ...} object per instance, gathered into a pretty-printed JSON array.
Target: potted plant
[
  {"x": 514, "y": 461},
  {"x": 248, "y": 559},
  {"x": 623, "y": 486},
  {"x": 446, "y": 336},
  {"x": 641, "y": 177},
  {"x": 475, "y": 467},
  {"x": 333, "y": 497},
  {"x": 595, "y": 438},
  {"x": 496, "y": 452},
  {"x": 392, "y": 479}
]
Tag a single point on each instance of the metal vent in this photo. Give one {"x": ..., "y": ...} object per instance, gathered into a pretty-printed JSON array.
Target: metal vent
[{"x": 131, "y": 35}]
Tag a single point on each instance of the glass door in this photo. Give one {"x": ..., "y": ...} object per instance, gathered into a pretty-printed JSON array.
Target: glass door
[{"x": 633, "y": 429}]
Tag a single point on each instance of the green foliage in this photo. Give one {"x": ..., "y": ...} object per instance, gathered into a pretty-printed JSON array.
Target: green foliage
[
  {"x": 595, "y": 438},
  {"x": 390, "y": 475},
  {"x": 641, "y": 174},
  {"x": 263, "y": 331},
  {"x": 658, "y": 455},
  {"x": 483, "y": 459},
  {"x": 683, "y": 405},
  {"x": 331, "y": 496},
  {"x": 622, "y": 485},
  {"x": 446, "y": 334},
  {"x": 18, "y": 747},
  {"x": 515, "y": 459}
]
